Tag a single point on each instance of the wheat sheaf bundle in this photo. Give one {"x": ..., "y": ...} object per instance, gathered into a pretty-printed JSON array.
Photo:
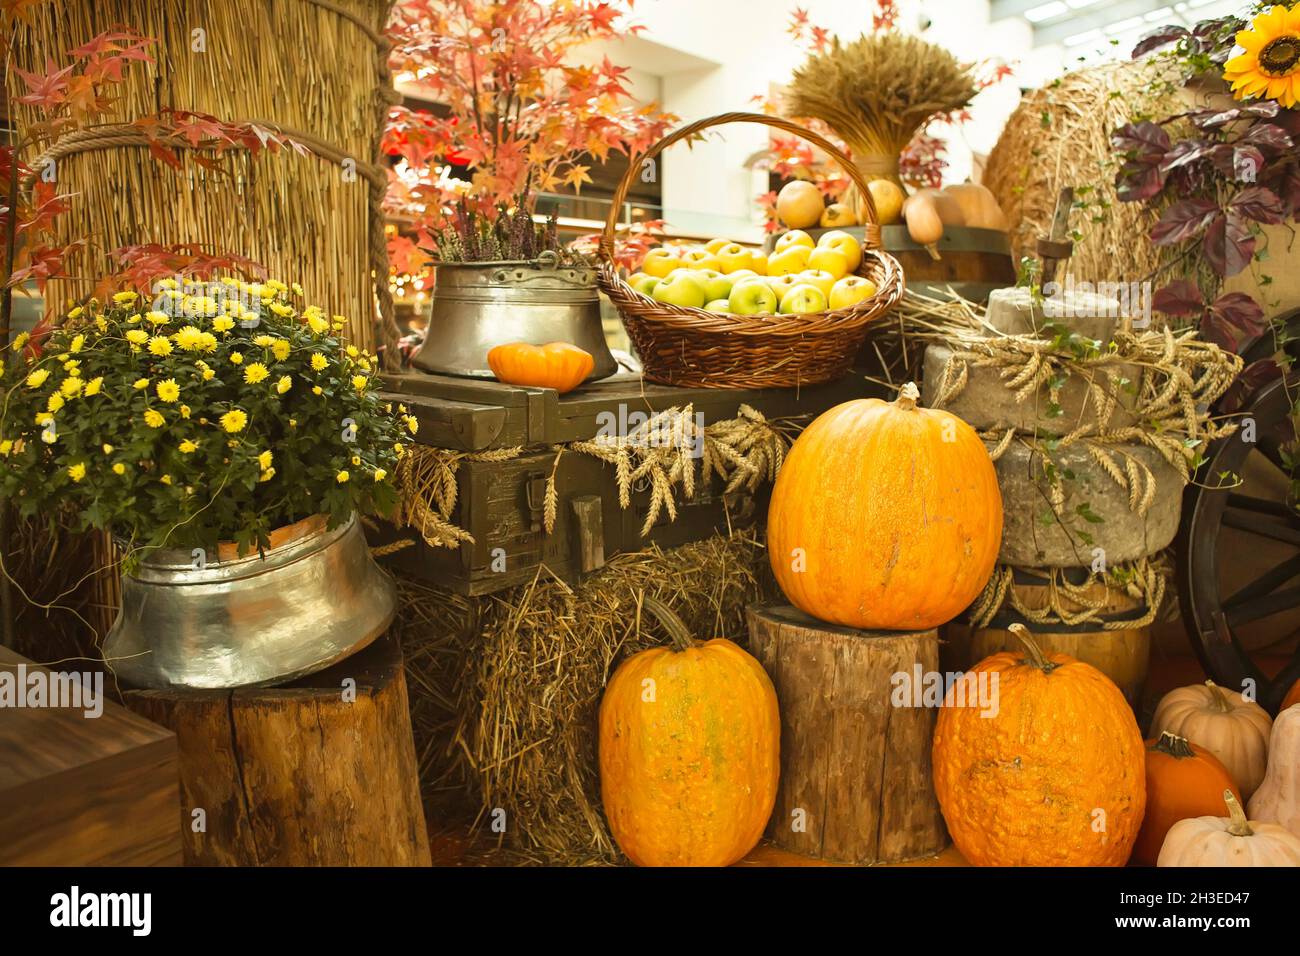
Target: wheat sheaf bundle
[{"x": 876, "y": 91}]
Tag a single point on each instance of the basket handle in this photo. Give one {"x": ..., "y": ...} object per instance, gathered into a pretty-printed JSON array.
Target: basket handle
[{"x": 871, "y": 228}]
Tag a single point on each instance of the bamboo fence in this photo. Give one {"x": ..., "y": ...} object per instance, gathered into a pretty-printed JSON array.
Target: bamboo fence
[{"x": 313, "y": 70}]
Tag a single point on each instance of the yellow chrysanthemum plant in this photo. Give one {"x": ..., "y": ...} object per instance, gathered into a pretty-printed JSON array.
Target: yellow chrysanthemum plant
[
  {"x": 195, "y": 414},
  {"x": 1269, "y": 66}
]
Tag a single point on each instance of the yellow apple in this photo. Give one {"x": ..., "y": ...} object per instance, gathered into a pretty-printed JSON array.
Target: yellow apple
[
  {"x": 642, "y": 283},
  {"x": 826, "y": 259},
  {"x": 742, "y": 274},
  {"x": 733, "y": 257},
  {"x": 783, "y": 284},
  {"x": 717, "y": 305},
  {"x": 795, "y": 237},
  {"x": 850, "y": 291},
  {"x": 804, "y": 297},
  {"x": 716, "y": 285},
  {"x": 758, "y": 262},
  {"x": 699, "y": 259},
  {"x": 799, "y": 204},
  {"x": 660, "y": 262},
  {"x": 793, "y": 259},
  {"x": 822, "y": 280},
  {"x": 842, "y": 242},
  {"x": 751, "y": 297},
  {"x": 837, "y": 214},
  {"x": 680, "y": 288},
  {"x": 713, "y": 245}
]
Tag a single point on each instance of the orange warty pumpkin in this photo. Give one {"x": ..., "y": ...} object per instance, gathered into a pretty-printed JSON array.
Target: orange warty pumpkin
[
  {"x": 559, "y": 365},
  {"x": 689, "y": 754},
  {"x": 885, "y": 515},
  {"x": 1055, "y": 778},
  {"x": 1183, "y": 781}
]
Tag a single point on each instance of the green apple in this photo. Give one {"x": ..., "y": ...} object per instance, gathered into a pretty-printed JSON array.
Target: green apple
[
  {"x": 681, "y": 288},
  {"x": 716, "y": 285},
  {"x": 742, "y": 274},
  {"x": 851, "y": 290},
  {"x": 751, "y": 297},
  {"x": 642, "y": 283},
  {"x": 804, "y": 297},
  {"x": 717, "y": 305}
]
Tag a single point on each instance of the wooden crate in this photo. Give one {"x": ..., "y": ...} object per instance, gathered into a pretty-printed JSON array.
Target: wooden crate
[
  {"x": 82, "y": 791},
  {"x": 501, "y": 503}
]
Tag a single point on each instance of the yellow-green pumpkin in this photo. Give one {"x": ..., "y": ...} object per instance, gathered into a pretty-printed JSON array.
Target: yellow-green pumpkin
[{"x": 689, "y": 751}]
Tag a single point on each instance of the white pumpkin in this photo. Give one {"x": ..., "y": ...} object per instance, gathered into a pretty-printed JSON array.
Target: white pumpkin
[
  {"x": 1228, "y": 725},
  {"x": 1278, "y": 798},
  {"x": 1234, "y": 841}
]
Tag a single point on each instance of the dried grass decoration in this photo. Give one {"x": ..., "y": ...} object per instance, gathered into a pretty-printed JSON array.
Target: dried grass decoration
[
  {"x": 877, "y": 91},
  {"x": 505, "y": 688}
]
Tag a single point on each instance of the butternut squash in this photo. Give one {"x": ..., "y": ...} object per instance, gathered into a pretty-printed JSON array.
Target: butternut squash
[
  {"x": 979, "y": 208},
  {"x": 1278, "y": 798}
]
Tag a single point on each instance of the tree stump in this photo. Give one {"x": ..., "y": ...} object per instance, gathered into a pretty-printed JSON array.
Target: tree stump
[
  {"x": 319, "y": 772},
  {"x": 855, "y": 769}
]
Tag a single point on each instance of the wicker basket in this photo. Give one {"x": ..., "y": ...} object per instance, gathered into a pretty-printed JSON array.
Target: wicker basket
[{"x": 693, "y": 347}]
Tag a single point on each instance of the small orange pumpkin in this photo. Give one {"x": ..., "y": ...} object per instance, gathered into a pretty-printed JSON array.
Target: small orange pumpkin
[
  {"x": 1184, "y": 780},
  {"x": 690, "y": 740},
  {"x": 1053, "y": 778},
  {"x": 559, "y": 365},
  {"x": 885, "y": 515}
]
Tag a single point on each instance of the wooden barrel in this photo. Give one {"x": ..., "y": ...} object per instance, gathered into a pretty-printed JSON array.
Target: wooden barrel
[{"x": 1122, "y": 655}]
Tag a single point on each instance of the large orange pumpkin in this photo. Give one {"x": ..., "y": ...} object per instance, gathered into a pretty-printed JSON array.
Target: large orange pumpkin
[
  {"x": 559, "y": 365},
  {"x": 689, "y": 756},
  {"x": 1183, "y": 781},
  {"x": 1054, "y": 778},
  {"x": 885, "y": 515}
]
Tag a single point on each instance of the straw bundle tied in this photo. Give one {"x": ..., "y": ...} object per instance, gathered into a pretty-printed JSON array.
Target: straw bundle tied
[
  {"x": 505, "y": 689},
  {"x": 876, "y": 91},
  {"x": 1059, "y": 136},
  {"x": 314, "y": 70}
]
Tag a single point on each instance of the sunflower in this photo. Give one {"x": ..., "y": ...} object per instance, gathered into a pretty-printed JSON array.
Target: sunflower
[{"x": 1270, "y": 65}]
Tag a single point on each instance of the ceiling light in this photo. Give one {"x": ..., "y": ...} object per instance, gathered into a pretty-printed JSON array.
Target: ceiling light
[
  {"x": 1046, "y": 11},
  {"x": 1081, "y": 38},
  {"x": 1124, "y": 26}
]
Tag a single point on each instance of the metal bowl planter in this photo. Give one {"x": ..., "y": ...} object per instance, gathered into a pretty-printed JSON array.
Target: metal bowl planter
[
  {"x": 204, "y": 620},
  {"x": 479, "y": 305}
]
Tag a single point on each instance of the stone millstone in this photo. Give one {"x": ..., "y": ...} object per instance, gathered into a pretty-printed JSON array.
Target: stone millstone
[
  {"x": 1014, "y": 312},
  {"x": 986, "y": 403},
  {"x": 1123, "y": 535}
]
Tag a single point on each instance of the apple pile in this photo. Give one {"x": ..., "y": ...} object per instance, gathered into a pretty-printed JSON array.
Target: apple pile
[{"x": 800, "y": 275}]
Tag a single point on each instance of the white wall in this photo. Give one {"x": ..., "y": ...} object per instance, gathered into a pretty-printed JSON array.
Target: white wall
[{"x": 715, "y": 56}]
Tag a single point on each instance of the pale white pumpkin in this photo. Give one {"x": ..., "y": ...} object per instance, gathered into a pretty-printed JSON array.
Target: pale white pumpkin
[
  {"x": 1278, "y": 798},
  {"x": 1231, "y": 841},
  {"x": 1226, "y": 724}
]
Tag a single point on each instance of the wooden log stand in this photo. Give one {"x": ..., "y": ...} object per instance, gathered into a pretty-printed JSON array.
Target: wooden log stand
[
  {"x": 318, "y": 772},
  {"x": 855, "y": 770}
]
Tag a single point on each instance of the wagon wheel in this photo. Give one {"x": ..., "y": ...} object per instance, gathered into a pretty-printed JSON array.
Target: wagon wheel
[{"x": 1259, "y": 516}]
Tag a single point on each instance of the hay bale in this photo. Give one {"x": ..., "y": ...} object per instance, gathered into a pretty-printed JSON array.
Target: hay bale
[
  {"x": 505, "y": 688},
  {"x": 1060, "y": 136}
]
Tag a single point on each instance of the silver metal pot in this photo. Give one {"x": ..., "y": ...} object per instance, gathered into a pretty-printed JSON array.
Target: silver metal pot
[
  {"x": 479, "y": 305},
  {"x": 214, "y": 620}
]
